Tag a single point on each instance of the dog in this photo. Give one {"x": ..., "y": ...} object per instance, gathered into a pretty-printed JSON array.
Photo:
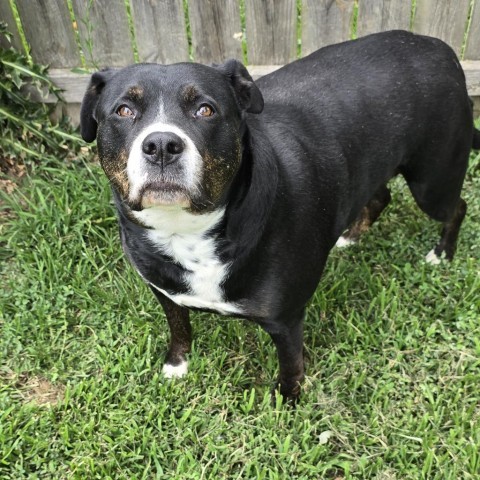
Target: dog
[{"x": 231, "y": 193}]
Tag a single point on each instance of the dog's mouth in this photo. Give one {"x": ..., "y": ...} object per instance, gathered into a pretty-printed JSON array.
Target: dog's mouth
[{"x": 161, "y": 194}]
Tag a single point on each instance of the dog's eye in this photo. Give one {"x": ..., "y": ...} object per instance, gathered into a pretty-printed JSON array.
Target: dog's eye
[
  {"x": 205, "y": 110},
  {"x": 124, "y": 111}
]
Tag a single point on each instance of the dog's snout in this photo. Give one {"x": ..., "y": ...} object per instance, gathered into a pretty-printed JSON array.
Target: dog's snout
[{"x": 162, "y": 147}]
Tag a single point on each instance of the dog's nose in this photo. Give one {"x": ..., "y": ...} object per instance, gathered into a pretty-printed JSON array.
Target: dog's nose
[{"x": 162, "y": 147}]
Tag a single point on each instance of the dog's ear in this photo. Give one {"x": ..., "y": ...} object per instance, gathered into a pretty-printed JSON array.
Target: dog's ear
[
  {"x": 88, "y": 121},
  {"x": 248, "y": 95}
]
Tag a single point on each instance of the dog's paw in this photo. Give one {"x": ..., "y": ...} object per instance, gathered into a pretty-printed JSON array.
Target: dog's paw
[
  {"x": 175, "y": 371},
  {"x": 343, "y": 242},
  {"x": 433, "y": 259},
  {"x": 287, "y": 393}
]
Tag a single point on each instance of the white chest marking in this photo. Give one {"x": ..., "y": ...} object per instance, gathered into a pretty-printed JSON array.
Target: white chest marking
[{"x": 183, "y": 237}]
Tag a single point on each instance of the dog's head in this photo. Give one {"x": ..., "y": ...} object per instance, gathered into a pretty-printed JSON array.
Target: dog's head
[{"x": 170, "y": 136}]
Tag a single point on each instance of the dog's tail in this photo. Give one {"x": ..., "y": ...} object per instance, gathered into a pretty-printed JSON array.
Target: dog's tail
[{"x": 476, "y": 139}]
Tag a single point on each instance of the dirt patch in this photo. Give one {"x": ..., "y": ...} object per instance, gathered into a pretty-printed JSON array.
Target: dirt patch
[
  {"x": 11, "y": 170},
  {"x": 11, "y": 173},
  {"x": 41, "y": 391},
  {"x": 35, "y": 389}
]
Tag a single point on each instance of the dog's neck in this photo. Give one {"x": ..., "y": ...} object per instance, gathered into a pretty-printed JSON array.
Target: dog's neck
[
  {"x": 170, "y": 221},
  {"x": 253, "y": 190}
]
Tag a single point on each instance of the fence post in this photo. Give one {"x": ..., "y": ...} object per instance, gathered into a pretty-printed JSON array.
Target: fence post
[
  {"x": 49, "y": 31},
  {"x": 271, "y": 31},
  {"x": 325, "y": 22},
  {"x": 104, "y": 32},
  {"x": 216, "y": 30},
  {"x": 6, "y": 16},
  {"x": 155, "y": 42},
  {"x": 445, "y": 19},
  {"x": 378, "y": 15}
]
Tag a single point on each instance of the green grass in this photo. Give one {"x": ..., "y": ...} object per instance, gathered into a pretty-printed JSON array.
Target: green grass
[{"x": 393, "y": 356}]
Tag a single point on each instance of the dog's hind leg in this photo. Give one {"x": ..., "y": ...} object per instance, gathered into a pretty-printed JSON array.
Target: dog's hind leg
[
  {"x": 367, "y": 217},
  {"x": 435, "y": 177},
  {"x": 448, "y": 239},
  {"x": 439, "y": 197}
]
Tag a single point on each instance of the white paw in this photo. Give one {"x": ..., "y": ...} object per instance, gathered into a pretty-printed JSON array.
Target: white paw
[
  {"x": 344, "y": 242},
  {"x": 432, "y": 258},
  {"x": 175, "y": 371}
]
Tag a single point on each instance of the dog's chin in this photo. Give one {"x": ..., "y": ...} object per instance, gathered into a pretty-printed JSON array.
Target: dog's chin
[
  {"x": 164, "y": 199},
  {"x": 160, "y": 196}
]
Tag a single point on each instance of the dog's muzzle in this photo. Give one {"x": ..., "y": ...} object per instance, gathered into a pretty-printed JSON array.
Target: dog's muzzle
[{"x": 165, "y": 163}]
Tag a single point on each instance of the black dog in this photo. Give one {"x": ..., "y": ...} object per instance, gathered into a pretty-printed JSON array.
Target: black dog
[{"x": 231, "y": 193}]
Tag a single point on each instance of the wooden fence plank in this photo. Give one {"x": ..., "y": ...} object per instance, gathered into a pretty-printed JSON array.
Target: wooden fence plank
[
  {"x": 445, "y": 19},
  {"x": 6, "y": 16},
  {"x": 75, "y": 84},
  {"x": 257, "y": 71},
  {"x": 49, "y": 31},
  {"x": 216, "y": 30},
  {"x": 271, "y": 31},
  {"x": 472, "y": 52},
  {"x": 160, "y": 30},
  {"x": 472, "y": 74},
  {"x": 379, "y": 15},
  {"x": 104, "y": 32},
  {"x": 325, "y": 22}
]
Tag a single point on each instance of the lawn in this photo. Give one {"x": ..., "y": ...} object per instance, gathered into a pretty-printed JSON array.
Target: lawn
[{"x": 392, "y": 345}]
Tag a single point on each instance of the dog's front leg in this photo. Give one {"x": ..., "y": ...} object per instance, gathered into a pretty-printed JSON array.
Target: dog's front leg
[
  {"x": 176, "y": 364},
  {"x": 289, "y": 343}
]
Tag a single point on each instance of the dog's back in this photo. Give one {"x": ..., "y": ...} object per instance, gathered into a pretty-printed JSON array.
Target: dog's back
[{"x": 393, "y": 99}]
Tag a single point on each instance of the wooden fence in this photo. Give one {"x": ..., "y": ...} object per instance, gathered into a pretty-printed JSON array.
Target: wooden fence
[{"x": 68, "y": 34}]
